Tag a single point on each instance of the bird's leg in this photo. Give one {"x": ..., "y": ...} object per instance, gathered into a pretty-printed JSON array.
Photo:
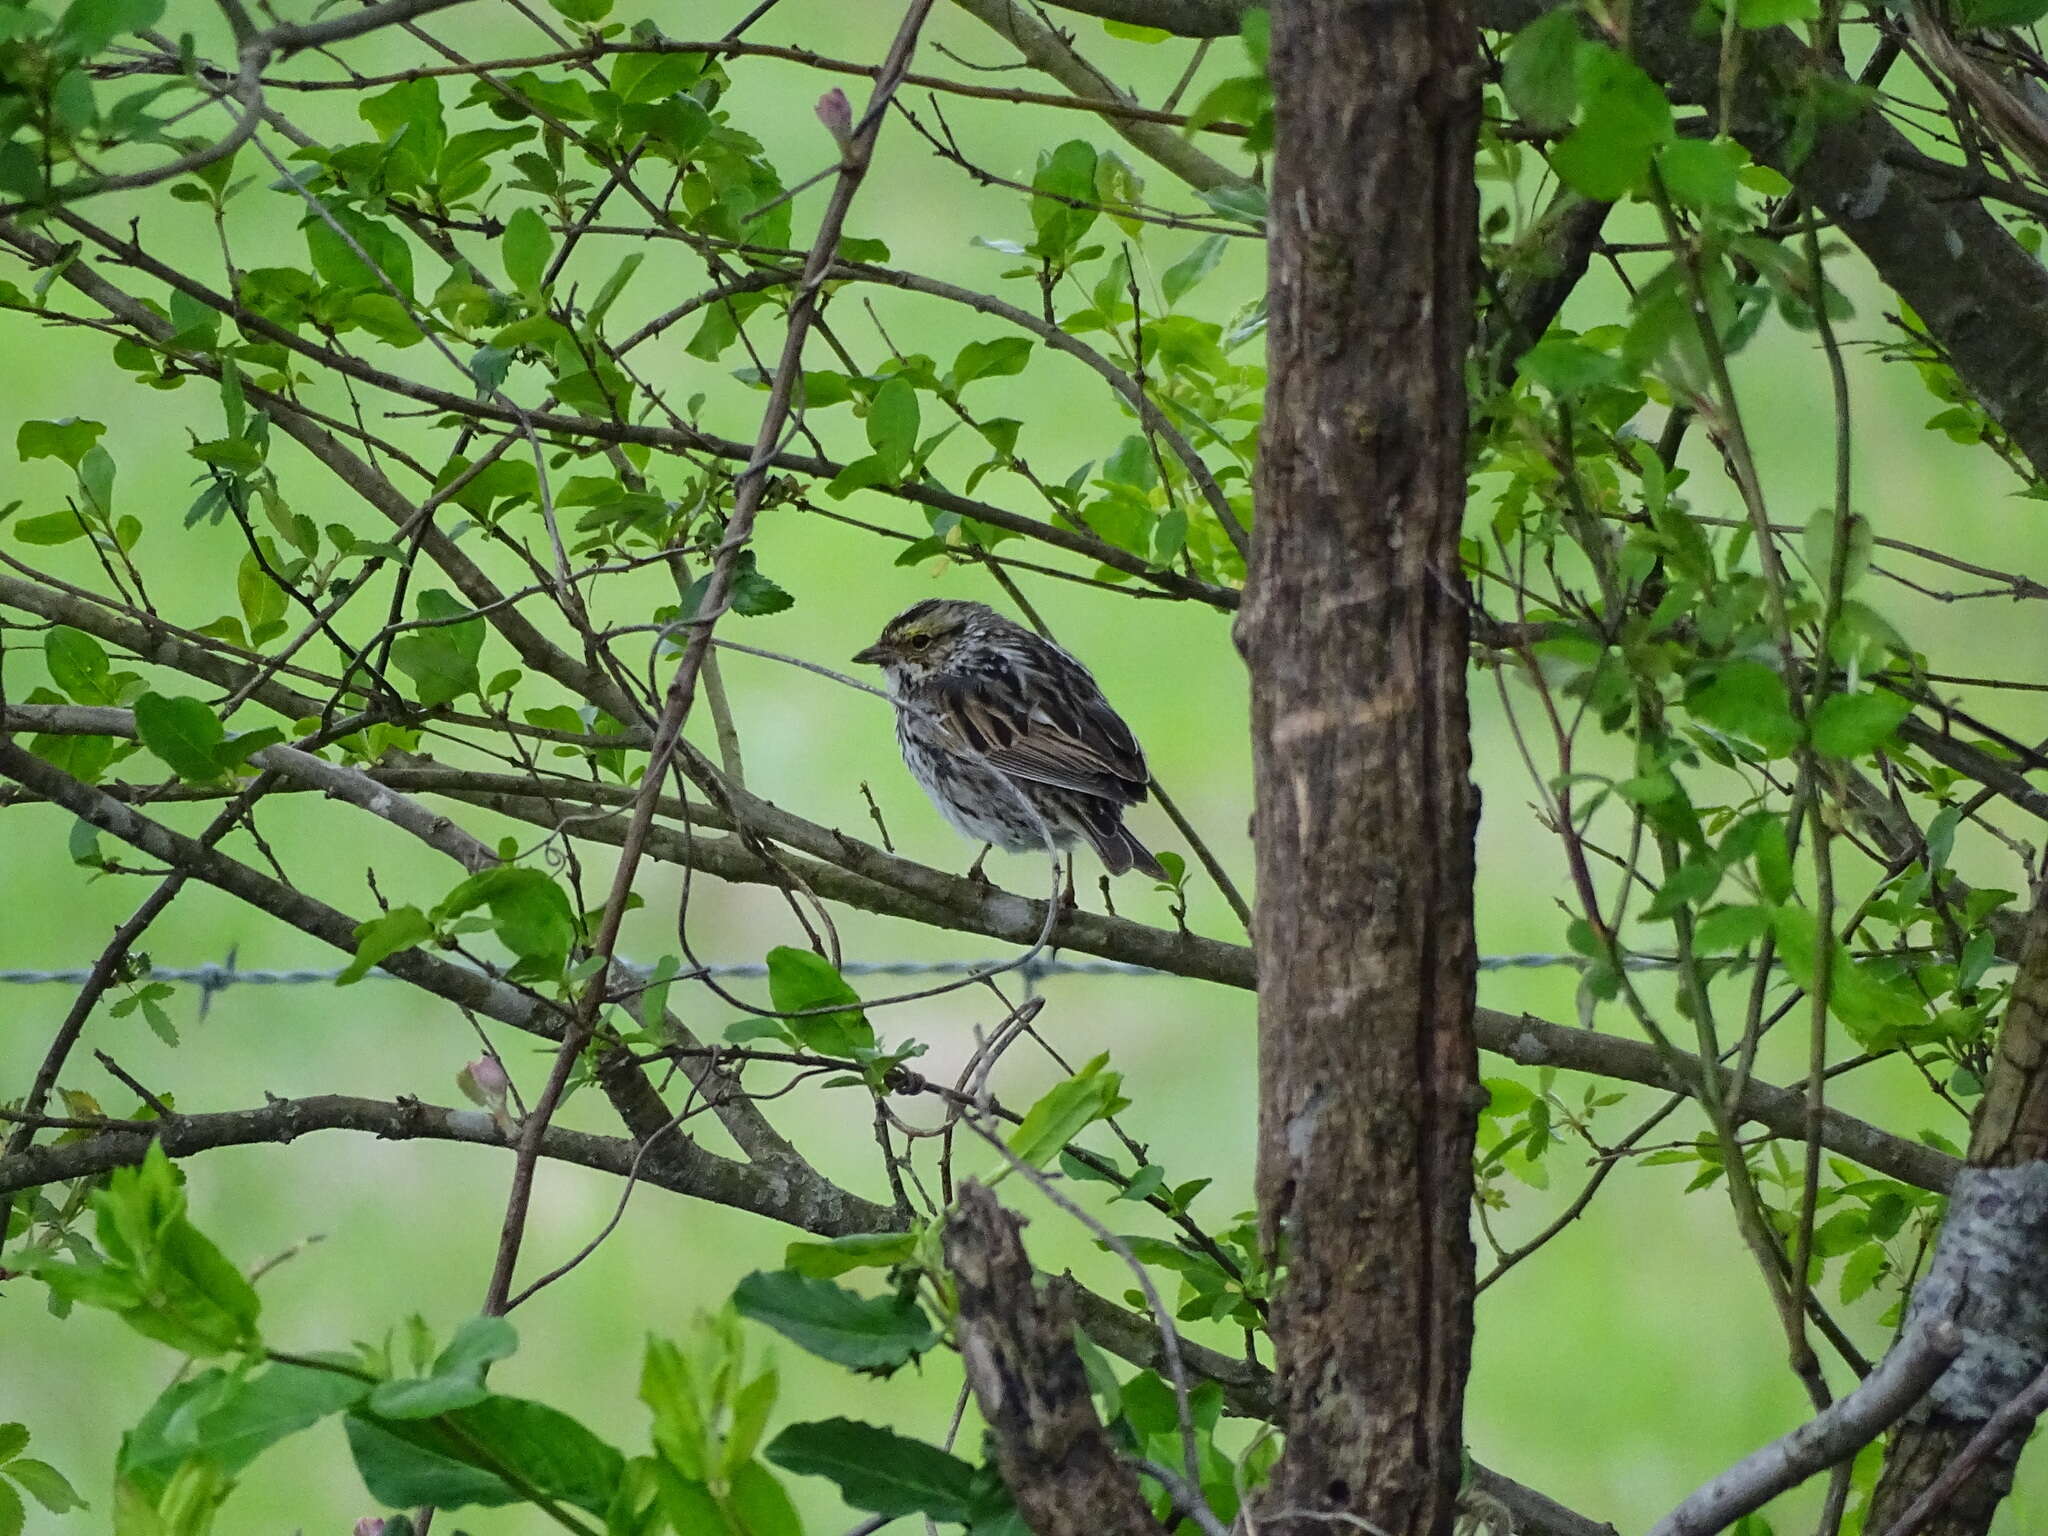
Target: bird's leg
[
  {"x": 1067, "y": 897},
  {"x": 974, "y": 870}
]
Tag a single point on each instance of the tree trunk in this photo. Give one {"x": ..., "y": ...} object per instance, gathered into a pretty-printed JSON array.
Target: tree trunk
[
  {"x": 1987, "y": 1273},
  {"x": 1354, "y": 628}
]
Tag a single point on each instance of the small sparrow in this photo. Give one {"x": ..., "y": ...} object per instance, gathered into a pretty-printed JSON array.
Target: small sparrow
[{"x": 1009, "y": 735}]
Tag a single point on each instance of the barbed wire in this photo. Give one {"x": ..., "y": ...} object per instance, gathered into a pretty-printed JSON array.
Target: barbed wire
[
  {"x": 219, "y": 977},
  {"x": 216, "y": 977}
]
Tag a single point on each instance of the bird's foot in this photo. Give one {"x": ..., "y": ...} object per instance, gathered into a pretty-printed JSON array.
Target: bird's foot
[{"x": 974, "y": 870}]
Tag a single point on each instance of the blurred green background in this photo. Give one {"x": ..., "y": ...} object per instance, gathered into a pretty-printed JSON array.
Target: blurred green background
[{"x": 1630, "y": 1360}]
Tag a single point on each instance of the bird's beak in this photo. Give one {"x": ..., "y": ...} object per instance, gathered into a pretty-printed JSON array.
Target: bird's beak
[{"x": 874, "y": 655}]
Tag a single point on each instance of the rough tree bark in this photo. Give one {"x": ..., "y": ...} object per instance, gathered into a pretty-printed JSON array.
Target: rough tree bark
[
  {"x": 1354, "y": 628},
  {"x": 1017, "y": 1342}
]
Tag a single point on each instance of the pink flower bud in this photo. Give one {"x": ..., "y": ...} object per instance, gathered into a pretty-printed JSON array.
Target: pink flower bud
[
  {"x": 488, "y": 1073},
  {"x": 485, "y": 1084},
  {"x": 836, "y": 113},
  {"x": 370, "y": 1525}
]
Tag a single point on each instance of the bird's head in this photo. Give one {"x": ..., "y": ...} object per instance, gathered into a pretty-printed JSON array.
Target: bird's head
[{"x": 927, "y": 638}]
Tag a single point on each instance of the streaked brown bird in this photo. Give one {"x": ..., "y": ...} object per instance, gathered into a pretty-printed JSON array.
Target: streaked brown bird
[{"x": 1009, "y": 735}]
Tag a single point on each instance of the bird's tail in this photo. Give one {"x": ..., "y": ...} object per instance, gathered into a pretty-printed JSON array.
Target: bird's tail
[{"x": 1120, "y": 851}]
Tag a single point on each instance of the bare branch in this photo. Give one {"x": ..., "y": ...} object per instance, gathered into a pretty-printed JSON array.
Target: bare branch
[
  {"x": 674, "y": 1163},
  {"x": 1186, "y": 18},
  {"x": 1832, "y": 1436},
  {"x": 1046, "y": 50}
]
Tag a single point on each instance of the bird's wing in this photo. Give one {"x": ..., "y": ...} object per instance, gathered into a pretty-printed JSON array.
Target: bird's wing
[{"x": 1058, "y": 731}]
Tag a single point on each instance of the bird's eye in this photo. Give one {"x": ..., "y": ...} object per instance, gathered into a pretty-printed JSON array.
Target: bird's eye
[{"x": 920, "y": 642}]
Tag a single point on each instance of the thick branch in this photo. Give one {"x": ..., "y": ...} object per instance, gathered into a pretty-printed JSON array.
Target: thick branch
[
  {"x": 1018, "y": 1345},
  {"x": 1978, "y": 292},
  {"x": 156, "y": 642},
  {"x": 674, "y": 1163}
]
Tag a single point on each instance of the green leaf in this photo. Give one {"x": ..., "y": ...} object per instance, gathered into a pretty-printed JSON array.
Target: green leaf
[
  {"x": 1245, "y": 204},
  {"x": 862, "y": 1250},
  {"x": 1132, "y": 464},
  {"x": 400, "y": 928},
  {"x": 457, "y": 1379},
  {"x": 529, "y": 911},
  {"x": 12, "y": 1515},
  {"x": 526, "y": 244},
  {"x": 1065, "y": 172},
  {"x": 751, "y": 1406},
  {"x": 441, "y": 659},
  {"x": 1004, "y": 356},
  {"x": 643, "y": 77},
  {"x": 1066, "y": 1110},
  {"x": 385, "y": 318},
  {"x": 49, "y": 1487},
  {"x": 756, "y": 1496},
  {"x": 689, "y": 1505},
  {"x": 751, "y": 594},
  {"x": 1852, "y": 724},
  {"x": 1748, "y": 698},
  {"x": 263, "y": 600},
  {"x": 488, "y": 367},
  {"x": 183, "y": 733},
  {"x": 412, "y": 109},
  {"x": 89, "y": 25},
  {"x": 1540, "y": 73},
  {"x": 893, "y": 425},
  {"x": 1177, "y": 279},
  {"x": 668, "y": 1387},
  {"x": 1820, "y": 548},
  {"x": 864, "y": 1333},
  {"x": 13, "y": 1439},
  {"x": 78, "y": 665},
  {"x": 1626, "y": 118},
  {"x": 1774, "y": 13},
  {"x": 799, "y": 981},
  {"x": 96, "y": 479},
  {"x": 66, "y": 439},
  {"x": 230, "y": 1420},
  {"x": 50, "y": 528},
  {"x": 614, "y": 285},
  {"x": 1567, "y": 367},
  {"x": 1505, "y": 1096},
  {"x": 1876, "y": 1009},
  {"x": 1865, "y": 1267},
  {"x": 457, "y": 1459},
  {"x": 339, "y": 250},
  {"x": 1701, "y": 173},
  {"x": 1727, "y": 929},
  {"x": 398, "y": 1469},
  {"x": 228, "y": 453},
  {"x": 160, "y": 1273},
  {"x": 878, "y": 1470},
  {"x": 1774, "y": 861}
]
